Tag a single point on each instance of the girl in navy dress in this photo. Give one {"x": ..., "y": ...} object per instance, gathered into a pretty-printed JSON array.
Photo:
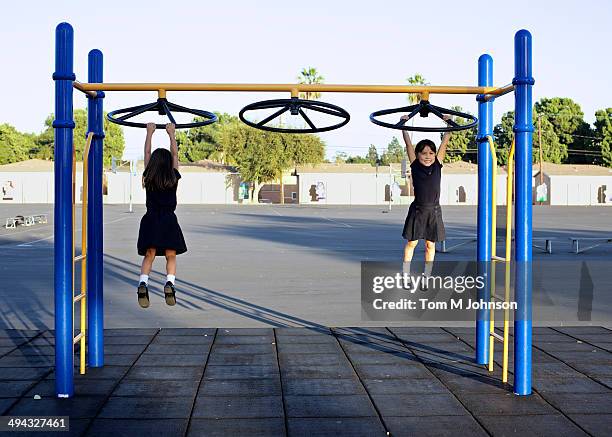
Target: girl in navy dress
[
  {"x": 160, "y": 233},
  {"x": 424, "y": 220}
]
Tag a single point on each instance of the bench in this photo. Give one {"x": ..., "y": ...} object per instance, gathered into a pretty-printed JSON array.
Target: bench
[
  {"x": 25, "y": 220},
  {"x": 576, "y": 243},
  {"x": 547, "y": 247}
]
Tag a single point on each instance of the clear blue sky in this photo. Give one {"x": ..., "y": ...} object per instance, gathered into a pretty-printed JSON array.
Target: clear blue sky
[{"x": 270, "y": 41}]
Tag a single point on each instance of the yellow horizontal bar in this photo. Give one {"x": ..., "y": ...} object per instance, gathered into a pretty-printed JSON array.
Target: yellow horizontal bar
[
  {"x": 79, "y": 297},
  {"x": 292, "y": 88},
  {"x": 76, "y": 339}
]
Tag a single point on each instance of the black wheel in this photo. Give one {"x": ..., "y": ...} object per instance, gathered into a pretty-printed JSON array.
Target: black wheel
[
  {"x": 295, "y": 106},
  {"x": 162, "y": 107},
  {"x": 424, "y": 108}
]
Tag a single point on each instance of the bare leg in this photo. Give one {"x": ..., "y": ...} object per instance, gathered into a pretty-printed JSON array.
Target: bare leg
[
  {"x": 430, "y": 250},
  {"x": 147, "y": 261},
  {"x": 409, "y": 250},
  {"x": 170, "y": 262}
]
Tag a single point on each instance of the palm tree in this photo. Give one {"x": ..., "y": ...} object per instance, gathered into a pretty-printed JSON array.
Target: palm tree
[
  {"x": 417, "y": 79},
  {"x": 310, "y": 76},
  {"x": 414, "y": 98}
]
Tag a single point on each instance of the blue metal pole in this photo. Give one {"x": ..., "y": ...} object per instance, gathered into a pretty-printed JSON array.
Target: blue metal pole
[
  {"x": 62, "y": 250},
  {"x": 523, "y": 130},
  {"x": 485, "y": 164},
  {"x": 95, "y": 304}
]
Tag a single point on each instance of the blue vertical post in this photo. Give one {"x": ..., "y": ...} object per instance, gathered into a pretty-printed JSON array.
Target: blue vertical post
[
  {"x": 485, "y": 187},
  {"x": 523, "y": 130},
  {"x": 95, "y": 304},
  {"x": 63, "y": 125}
]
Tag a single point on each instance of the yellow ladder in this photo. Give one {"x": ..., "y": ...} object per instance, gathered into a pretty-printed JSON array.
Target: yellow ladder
[
  {"x": 494, "y": 259},
  {"x": 81, "y": 297}
]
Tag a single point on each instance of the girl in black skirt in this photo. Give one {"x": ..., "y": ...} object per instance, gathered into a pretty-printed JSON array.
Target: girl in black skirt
[
  {"x": 160, "y": 233},
  {"x": 424, "y": 220}
]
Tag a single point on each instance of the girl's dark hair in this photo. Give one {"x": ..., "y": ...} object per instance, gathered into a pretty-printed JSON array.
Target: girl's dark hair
[
  {"x": 159, "y": 174},
  {"x": 425, "y": 143}
]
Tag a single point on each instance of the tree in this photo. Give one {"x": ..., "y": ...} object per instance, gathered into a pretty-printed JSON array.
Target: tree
[
  {"x": 568, "y": 123},
  {"x": 310, "y": 75},
  {"x": 14, "y": 145},
  {"x": 394, "y": 153},
  {"x": 372, "y": 156},
  {"x": 261, "y": 156},
  {"x": 552, "y": 149},
  {"x": 357, "y": 160},
  {"x": 603, "y": 129},
  {"x": 200, "y": 143},
  {"x": 114, "y": 142},
  {"x": 461, "y": 143},
  {"x": 415, "y": 80},
  {"x": 340, "y": 157}
]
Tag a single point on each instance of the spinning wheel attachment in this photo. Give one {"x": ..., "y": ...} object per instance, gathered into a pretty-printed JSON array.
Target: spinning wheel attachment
[
  {"x": 162, "y": 107},
  {"x": 424, "y": 108},
  {"x": 295, "y": 106}
]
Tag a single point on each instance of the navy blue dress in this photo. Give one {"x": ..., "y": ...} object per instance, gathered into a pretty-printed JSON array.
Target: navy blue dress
[
  {"x": 159, "y": 226},
  {"x": 424, "y": 220}
]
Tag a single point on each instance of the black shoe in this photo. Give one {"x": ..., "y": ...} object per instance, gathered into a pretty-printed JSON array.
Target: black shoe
[
  {"x": 143, "y": 295},
  {"x": 170, "y": 293}
]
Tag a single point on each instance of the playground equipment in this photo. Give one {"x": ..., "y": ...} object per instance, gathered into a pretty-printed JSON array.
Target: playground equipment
[
  {"x": 65, "y": 83},
  {"x": 162, "y": 106}
]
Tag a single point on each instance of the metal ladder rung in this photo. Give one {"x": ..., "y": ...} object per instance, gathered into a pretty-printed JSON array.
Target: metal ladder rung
[
  {"x": 76, "y": 339},
  {"x": 496, "y": 336},
  {"x": 79, "y": 257},
  {"x": 497, "y": 258},
  {"x": 79, "y": 297}
]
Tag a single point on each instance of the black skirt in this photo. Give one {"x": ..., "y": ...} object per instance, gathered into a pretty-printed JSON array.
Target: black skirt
[
  {"x": 424, "y": 222},
  {"x": 160, "y": 229}
]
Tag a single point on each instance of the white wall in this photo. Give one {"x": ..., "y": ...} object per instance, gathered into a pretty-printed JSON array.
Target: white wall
[
  {"x": 345, "y": 188},
  {"x": 194, "y": 188},
  {"x": 29, "y": 187},
  {"x": 579, "y": 190}
]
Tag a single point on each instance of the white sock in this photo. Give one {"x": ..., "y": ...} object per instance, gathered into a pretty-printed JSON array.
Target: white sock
[
  {"x": 170, "y": 278},
  {"x": 145, "y": 279},
  {"x": 428, "y": 268},
  {"x": 406, "y": 267}
]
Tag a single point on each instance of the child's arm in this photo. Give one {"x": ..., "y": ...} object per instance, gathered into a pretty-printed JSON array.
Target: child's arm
[
  {"x": 173, "y": 145},
  {"x": 147, "y": 146},
  {"x": 408, "y": 141},
  {"x": 442, "y": 149}
]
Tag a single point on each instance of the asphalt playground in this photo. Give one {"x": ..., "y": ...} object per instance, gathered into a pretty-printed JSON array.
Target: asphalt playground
[
  {"x": 267, "y": 338},
  {"x": 284, "y": 266}
]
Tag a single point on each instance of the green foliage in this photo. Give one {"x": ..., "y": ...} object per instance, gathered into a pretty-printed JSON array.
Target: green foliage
[
  {"x": 553, "y": 150},
  {"x": 341, "y": 157},
  {"x": 14, "y": 145},
  {"x": 114, "y": 142},
  {"x": 415, "y": 80},
  {"x": 603, "y": 129},
  {"x": 201, "y": 143},
  {"x": 372, "y": 156},
  {"x": 394, "y": 153},
  {"x": 461, "y": 141},
  {"x": 357, "y": 160},
  {"x": 262, "y": 156},
  {"x": 568, "y": 123},
  {"x": 565, "y": 115},
  {"x": 310, "y": 75}
]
